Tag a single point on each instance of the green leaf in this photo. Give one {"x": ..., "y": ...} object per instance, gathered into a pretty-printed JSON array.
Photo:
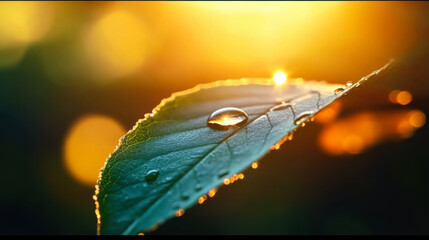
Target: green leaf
[{"x": 172, "y": 157}]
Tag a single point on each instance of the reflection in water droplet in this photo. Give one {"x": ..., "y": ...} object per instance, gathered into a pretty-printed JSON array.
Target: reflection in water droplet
[
  {"x": 226, "y": 118},
  {"x": 226, "y": 181},
  {"x": 212, "y": 192},
  {"x": 180, "y": 212},
  {"x": 338, "y": 90},
  {"x": 255, "y": 165},
  {"x": 202, "y": 199},
  {"x": 303, "y": 117},
  {"x": 222, "y": 173},
  {"x": 152, "y": 175},
  {"x": 349, "y": 84}
]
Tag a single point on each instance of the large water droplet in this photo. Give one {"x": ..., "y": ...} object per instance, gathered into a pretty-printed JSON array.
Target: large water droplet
[
  {"x": 338, "y": 90},
  {"x": 226, "y": 118},
  {"x": 303, "y": 117},
  {"x": 152, "y": 175},
  {"x": 349, "y": 84}
]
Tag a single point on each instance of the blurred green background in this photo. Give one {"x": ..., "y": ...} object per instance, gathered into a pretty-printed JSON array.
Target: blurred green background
[{"x": 75, "y": 76}]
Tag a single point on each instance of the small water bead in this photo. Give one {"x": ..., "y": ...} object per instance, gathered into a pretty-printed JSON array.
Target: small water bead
[
  {"x": 226, "y": 118},
  {"x": 338, "y": 90},
  {"x": 349, "y": 84},
  {"x": 303, "y": 117},
  {"x": 152, "y": 175},
  {"x": 281, "y": 106},
  {"x": 185, "y": 196},
  {"x": 198, "y": 187},
  {"x": 202, "y": 199},
  {"x": 180, "y": 212}
]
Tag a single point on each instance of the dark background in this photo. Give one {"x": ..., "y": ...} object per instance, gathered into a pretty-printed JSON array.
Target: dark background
[{"x": 299, "y": 189}]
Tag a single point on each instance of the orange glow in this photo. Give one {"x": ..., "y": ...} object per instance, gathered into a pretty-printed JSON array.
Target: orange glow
[
  {"x": 255, "y": 165},
  {"x": 358, "y": 132},
  {"x": 241, "y": 176},
  {"x": 417, "y": 118},
  {"x": 353, "y": 144},
  {"x": 404, "y": 97},
  {"x": 400, "y": 97},
  {"x": 202, "y": 199},
  {"x": 279, "y": 143},
  {"x": 141, "y": 234},
  {"x": 212, "y": 192},
  {"x": 180, "y": 212},
  {"x": 329, "y": 113},
  {"x": 227, "y": 120},
  {"x": 235, "y": 177},
  {"x": 116, "y": 45},
  {"x": 88, "y": 143},
  {"x": 226, "y": 181},
  {"x": 280, "y": 78}
]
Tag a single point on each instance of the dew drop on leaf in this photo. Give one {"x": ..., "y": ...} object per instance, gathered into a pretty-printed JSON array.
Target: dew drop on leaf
[
  {"x": 198, "y": 187},
  {"x": 281, "y": 106},
  {"x": 152, "y": 175},
  {"x": 185, "y": 196},
  {"x": 349, "y": 84},
  {"x": 180, "y": 212},
  {"x": 303, "y": 117},
  {"x": 226, "y": 118},
  {"x": 338, "y": 90}
]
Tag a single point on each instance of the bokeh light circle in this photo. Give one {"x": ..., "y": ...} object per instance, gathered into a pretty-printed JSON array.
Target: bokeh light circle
[{"x": 87, "y": 145}]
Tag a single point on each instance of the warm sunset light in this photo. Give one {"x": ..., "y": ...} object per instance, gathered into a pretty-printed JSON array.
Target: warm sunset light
[
  {"x": 400, "y": 97},
  {"x": 354, "y": 134},
  {"x": 119, "y": 116},
  {"x": 280, "y": 78},
  {"x": 329, "y": 113},
  {"x": 255, "y": 165},
  {"x": 116, "y": 44},
  {"x": 87, "y": 145}
]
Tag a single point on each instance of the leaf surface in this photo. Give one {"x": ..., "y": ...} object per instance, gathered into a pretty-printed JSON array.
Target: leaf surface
[{"x": 172, "y": 157}]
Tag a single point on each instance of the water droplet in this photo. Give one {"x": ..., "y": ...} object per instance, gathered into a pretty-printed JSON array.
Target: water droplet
[
  {"x": 185, "y": 196},
  {"x": 226, "y": 181},
  {"x": 226, "y": 118},
  {"x": 198, "y": 187},
  {"x": 212, "y": 192},
  {"x": 152, "y": 175},
  {"x": 255, "y": 165},
  {"x": 222, "y": 173},
  {"x": 202, "y": 199},
  {"x": 281, "y": 106},
  {"x": 338, "y": 90},
  {"x": 180, "y": 212},
  {"x": 349, "y": 84},
  {"x": 303, "y": 117}
]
